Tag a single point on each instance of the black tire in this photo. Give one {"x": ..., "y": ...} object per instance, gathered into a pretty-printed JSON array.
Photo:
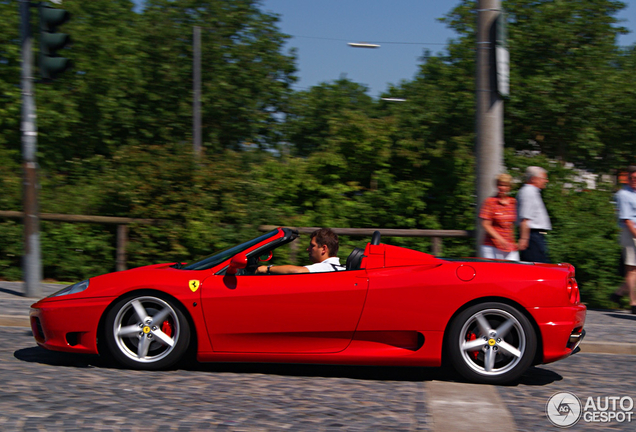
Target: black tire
[
  {"x": 155, "y": 341},
  {"x": 491, "y": 343}
]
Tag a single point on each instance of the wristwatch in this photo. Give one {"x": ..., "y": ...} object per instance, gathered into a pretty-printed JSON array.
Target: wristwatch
[{"x": 269, "y": 267}]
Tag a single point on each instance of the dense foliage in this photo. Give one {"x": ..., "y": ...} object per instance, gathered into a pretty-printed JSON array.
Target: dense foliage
[{"x": 115, "y": 133}]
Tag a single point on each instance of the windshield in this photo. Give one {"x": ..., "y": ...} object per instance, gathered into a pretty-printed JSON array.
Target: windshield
[{"x": 219, "y": 257}]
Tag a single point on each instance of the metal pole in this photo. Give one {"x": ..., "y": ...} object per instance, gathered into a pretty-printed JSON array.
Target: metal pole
[
  {"x": 31, "y": 265},
  {"x": 196, "y": 100},
  {"x": 489, "y": 121}
]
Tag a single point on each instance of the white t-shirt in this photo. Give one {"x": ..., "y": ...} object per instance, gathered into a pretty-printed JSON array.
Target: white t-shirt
[
  {"x": 626, "y": 203},
  {"x": 530, "y": 206},
  {"x": 328, "y": 265}
]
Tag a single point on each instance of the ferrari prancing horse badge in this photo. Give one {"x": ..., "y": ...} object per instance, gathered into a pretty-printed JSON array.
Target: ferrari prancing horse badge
[{"x": 194, "y": 285}]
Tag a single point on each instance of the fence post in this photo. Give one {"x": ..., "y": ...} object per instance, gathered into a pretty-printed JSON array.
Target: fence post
[
  {"x": 122, "y": 239},
  {"x": 293, "y": 246},
  {"x": 436, "y": 245}
]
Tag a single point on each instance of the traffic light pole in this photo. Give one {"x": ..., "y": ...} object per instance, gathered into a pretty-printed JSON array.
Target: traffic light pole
[{"x": 31, "y": 264}]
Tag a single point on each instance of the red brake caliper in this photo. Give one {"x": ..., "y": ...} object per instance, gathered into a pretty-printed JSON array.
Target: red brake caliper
[
  {"x": 166, "y": 327},
  {"x": 471, "y": 337}
]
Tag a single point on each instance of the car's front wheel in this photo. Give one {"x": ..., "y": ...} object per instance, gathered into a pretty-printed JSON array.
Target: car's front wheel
[
  {"x": 491, "y": 343},
  {"x": 147, "y": 331}
]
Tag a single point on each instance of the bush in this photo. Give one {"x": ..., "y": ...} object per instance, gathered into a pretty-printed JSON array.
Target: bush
[{"x": 222, "y": 200}]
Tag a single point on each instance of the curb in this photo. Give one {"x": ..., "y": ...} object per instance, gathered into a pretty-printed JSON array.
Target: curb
[
  {"x": 446, "y": 400},
  {"x": 608, "y": 348},
  {"x": 15, "y": 321},
  {"x": 586, "y": 346}
]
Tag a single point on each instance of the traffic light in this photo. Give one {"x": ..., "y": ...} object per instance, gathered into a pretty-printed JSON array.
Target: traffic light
[{"x": 50, "y": 41}]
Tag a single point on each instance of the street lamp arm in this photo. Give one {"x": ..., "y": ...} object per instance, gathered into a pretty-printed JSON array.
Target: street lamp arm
[{"x": 363, "y": 45}]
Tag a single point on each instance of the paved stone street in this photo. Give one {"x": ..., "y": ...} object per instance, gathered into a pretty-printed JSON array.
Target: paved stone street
[
  {"x": 42, "y": 390},
  {"x": 585, "y": 375},
  {"x": 49, "y": 391}
]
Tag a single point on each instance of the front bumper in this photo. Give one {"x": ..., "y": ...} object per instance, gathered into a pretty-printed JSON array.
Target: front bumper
[{"x": 68, "y": 325}]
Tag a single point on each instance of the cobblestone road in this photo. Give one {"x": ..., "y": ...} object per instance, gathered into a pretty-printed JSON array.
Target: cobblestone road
[
  {"x": 44, "y": 390},
  {"x": 47, "y": 391},
  {"x": 585, "y": 375}
]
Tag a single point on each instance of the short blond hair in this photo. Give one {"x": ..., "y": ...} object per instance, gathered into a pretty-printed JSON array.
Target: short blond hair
[{"x": 504, "y": 178}]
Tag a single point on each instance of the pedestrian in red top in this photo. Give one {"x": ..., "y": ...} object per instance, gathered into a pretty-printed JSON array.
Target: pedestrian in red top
[{"x": 498, "y": 216}]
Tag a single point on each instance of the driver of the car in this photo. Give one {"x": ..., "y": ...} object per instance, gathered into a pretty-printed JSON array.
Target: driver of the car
[{"x": 323, "y": 248}]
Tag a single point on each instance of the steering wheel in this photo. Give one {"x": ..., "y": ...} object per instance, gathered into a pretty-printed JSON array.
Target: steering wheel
[{"x": 375, "y": 239}]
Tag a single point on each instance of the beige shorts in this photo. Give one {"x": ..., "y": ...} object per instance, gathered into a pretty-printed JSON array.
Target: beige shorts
[
  {"x": 494, "y": 253},
  {"x": 629, "y": 247}
]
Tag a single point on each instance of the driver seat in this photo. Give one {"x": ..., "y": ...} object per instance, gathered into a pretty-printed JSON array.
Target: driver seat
[{"x": 355, "y": 259}]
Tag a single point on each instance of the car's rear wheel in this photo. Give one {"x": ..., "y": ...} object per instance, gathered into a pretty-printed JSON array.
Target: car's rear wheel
[
  {"x": 491, "y": 343},
  {"x": 147, "y": 331}
]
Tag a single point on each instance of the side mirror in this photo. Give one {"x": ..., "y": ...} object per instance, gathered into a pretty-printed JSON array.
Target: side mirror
[
  {"x": 266, "y": 257},
  {"x": 238, "y": 262}
]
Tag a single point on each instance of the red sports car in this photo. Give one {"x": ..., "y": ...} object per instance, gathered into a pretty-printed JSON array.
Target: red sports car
[{"x": 391, "y": 306}]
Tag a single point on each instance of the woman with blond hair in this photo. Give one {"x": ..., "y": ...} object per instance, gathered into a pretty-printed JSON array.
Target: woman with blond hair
[{"x": 498, "y": 215}]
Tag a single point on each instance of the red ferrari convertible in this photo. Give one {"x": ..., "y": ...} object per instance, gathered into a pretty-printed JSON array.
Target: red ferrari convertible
[{"x": 391, "y": 306}]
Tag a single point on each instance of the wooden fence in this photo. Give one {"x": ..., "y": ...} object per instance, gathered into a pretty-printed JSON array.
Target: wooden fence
[
  {"x": 121, "y": 222},
  {"x": 435, "y": 235}
]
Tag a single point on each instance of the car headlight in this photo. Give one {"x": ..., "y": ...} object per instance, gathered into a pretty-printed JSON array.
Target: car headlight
[{"x": 72, "y": 289}]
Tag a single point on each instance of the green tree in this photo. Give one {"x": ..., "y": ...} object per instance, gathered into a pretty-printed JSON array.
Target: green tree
[
  {"x": 620, "y": 116},
  {"x": 434, "y": 137},
  {"x": 245, "y": 76},
  {"x": 307, "y": 124},
  {"x": 10, "y": 61},
  {"x": 132, "y": 78},
  {"x": 564, "y": 79},
  {"x": 87, "y": 110}
]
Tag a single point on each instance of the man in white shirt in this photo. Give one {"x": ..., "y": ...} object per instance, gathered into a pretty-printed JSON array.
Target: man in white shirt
[
  {"x": 626, "y": 203},
  {"x": 532, "y": 217},
  {"x": 322, "y": 249}
]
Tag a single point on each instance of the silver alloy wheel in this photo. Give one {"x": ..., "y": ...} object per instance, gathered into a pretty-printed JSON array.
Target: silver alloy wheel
[
  {"x": 492, "y": 342},
  {"x": 146, "y": 329}
]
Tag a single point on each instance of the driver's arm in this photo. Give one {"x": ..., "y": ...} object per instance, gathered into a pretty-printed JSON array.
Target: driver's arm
[{"x": 283, "y": 269}]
